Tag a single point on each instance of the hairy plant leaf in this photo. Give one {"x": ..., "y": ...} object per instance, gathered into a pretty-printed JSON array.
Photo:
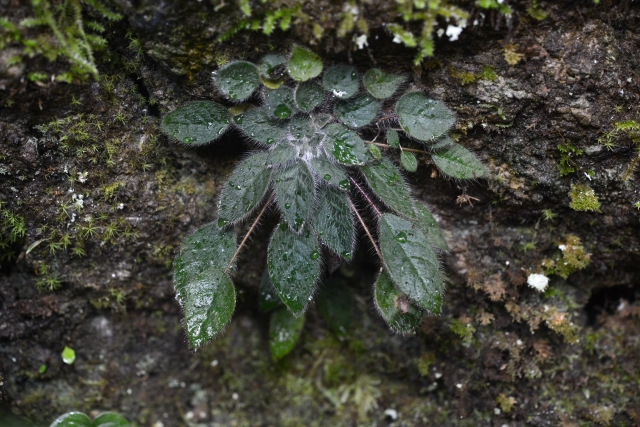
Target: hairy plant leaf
[
  {"x": 346, "y": 146},
  {"x": 208, "y": 305},
  {"x": 333, "y": 222},
  {"x": 282, "y": 153},
  {"x": 427, "y": 223},
  {"x": 304, "y": 64},
  {"x": 309, "y": 95},
  {"x": 387, "y": 183},
  {"x": 320, "y": 120},
  {"x": 244, "y": 189},
  {"x": 203, "y": 290},
  {"x": 269, "y": 298},
  {"x": 208, "y": 247},
  {"x": 301, "y": 127},
  {"x": 410, "y": 261},
  {"x": 295, "y": 193},
  {"x": 197, "y": 123},
  {"x": 334, "y": 301},
  {"x": 423, "y": 118},
  {"x": 400, "y": 314},
  {"x": 294, "y": 266},
  {"x": 279, "y": 102},
  {"x": 341, "y": 80},
  {"x": 409, "y": 161},
  {"x": 72, "y": 419},
  {"x": 261, "y": 126},
  {"x": 443, "y": 142},
  {"x": 110, "y": 419},
  {"x": 330, "y": 172},
  {"x": 358, "y": 111},
  {"x": 238, "y": 80},
  {"x": 284, "y": 330},
  {"x": 458, "y": 162},
  {"x": 380, "y": 84},
  {"x": 392, "y": 138}
]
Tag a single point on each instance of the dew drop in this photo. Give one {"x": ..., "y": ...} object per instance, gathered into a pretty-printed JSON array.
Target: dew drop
[
  {"x": 314, "y": 255},
  {"x": 401, "y": 237},
  {"x": 327, "y": 177},
  {"x": 238, "y": 119},
  {"x": 222, "y": 222},
  {"x": 282, "y": 111}
]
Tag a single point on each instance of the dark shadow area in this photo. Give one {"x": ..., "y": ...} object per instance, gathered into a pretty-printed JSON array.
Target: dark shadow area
[{"x": 607, "y": 300}]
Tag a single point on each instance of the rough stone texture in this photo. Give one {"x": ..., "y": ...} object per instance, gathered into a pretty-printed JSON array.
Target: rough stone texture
[{"x": 500, "y": 354}]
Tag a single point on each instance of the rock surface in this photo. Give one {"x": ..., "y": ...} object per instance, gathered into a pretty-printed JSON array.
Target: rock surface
[{"x": 106, "y": 201}]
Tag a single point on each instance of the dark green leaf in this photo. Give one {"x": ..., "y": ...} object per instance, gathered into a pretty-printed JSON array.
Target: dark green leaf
[
  {"x": 244, "y": 189},
  {"x": 309, "y": 95},
  {"x": 301, "y": 127},
  {"x": 304, "y": 64},
  {"x": 458, "y": 162},
  {"x": 392, "y": 138},
  {"x": 284, "y": 330},
  {"x": 320, "y": 120},
  {"x": 341, "y": 80},
  {"x": 387, "y": 183},
  {"x": 110, "y": 419},
  {"x": 423, "y": 118},
  {"x": 410, "y": 261},
  {"x": 238, "y": 80},
  {"x": 204, "y": 291},
  {"x": 334, "y": 302},
  {"x": 358, "y": 111},
  {"x": 208, "y": 306},
  {"x": 207, "y": 248},
  {"x": 295, "y": 193},
  {"x": 72, "y": 419},
  {"x": 269, "y": 64},
  {"x": 381, "y": 85},
  {"x": 399, "y": 313},
  {"x": 269, "y": 298},
  {"x": 346, "y": 146},
  {"x": 329, "y": 172},
  {"x": 197, "y": 123},
  {"x": 282, "y": 153},
  {"x": 409, "y": 161},
  {"x": 333, "y": 222},
  {"x": 294, "y": 266},
  {"x": 279, "y": 102},
  {"x": 427, "y": 223},
  {"x": 261, "y": 126},
  {"x": 375, "y": 151}
]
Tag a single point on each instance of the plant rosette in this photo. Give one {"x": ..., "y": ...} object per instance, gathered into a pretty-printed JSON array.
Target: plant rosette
[{"x": 312, "y": 163}]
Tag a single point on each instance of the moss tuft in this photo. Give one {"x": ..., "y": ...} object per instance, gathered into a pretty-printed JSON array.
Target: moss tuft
[{"x": 583, "y": 199}]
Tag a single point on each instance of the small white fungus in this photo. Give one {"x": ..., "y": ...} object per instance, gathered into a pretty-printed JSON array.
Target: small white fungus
[
  {"x": 361, "y": 41},
  {"x": 391, "y": 413},
  {"x": 539, "y": 282},
  {"x": 453, "y": 32}
]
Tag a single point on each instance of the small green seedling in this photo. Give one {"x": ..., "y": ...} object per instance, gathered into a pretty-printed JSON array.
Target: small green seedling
[
  {"x": 313, "y": 164},
  {"x": 78, "y": 419},
  {"x": 68, "y": 355}
]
